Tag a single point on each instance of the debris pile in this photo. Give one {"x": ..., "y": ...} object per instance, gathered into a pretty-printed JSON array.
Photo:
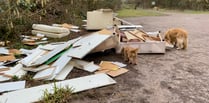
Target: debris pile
[{"x": 55, "y": 61}]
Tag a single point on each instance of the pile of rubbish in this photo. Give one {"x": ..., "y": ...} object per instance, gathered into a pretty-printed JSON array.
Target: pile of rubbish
[{"x": 55, "y": 60}]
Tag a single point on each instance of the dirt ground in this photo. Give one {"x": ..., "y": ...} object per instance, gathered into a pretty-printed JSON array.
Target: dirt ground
[{"x": 178, "y": 76}]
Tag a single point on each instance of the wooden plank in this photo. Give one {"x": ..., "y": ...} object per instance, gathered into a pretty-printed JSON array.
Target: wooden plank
[
  {"x": 15, "y": 71},
  {"x": 86, "y": 44},
  {"x": 10, "y": 86},
  {"x": 36, "y": 69},
  {"x": 34, "y": 94},
  {"x": 55, "y": 51},
  {"x": 2, "y": 78},
  {"x": 60, "y": 64},
  {"x": 44, "y": 74},
  {"x": 129, "y": 36},
  {"x": 84, "y": 65},
  {"x": 27, "y": 61},
  {"x": 63, "y": 74},
  {"x": 4, "y": 51},
  {"x": 4, "y": 68},
  {"x": 49, "y": 34}
]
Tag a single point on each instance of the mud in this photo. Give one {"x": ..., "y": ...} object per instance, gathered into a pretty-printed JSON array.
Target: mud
[{"x": 178, "y": 76}]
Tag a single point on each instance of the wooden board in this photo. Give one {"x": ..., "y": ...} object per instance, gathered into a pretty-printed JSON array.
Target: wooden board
[
  {"x": 10, "y": 86},
  {"x": 52, "y": 53},
  {"x": 86, "y": 44},
  {"x": 84, "y": 65},
  {"x": 34, "y": 94},
  {"x": 129, "y": 36},
  {"x": 63, "y": 74},
  {"x": 44, "y": 74}
]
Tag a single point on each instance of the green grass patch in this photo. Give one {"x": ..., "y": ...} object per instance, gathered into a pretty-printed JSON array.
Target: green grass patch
[
  {"x": 59, "y": 95},
  {"x": 138, "y": 12},
  {"x": 185, "y": 11}
]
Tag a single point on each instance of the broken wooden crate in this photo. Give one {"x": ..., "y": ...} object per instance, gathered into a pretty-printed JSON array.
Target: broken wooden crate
[{"x": 147, "y": 42}]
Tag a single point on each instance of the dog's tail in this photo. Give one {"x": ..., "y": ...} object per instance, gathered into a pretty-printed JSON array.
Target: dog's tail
[{"x": 185, "y": 42}]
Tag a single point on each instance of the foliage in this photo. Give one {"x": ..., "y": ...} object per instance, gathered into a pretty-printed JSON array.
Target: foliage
[
  {"x": 173, "y": 4},
  {"x": 17, "y": 16},
  {"x": 59, "y": 95}
]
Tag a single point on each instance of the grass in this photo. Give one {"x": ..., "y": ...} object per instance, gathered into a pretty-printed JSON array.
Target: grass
[
  {"x": 59, "y": 95},
  {"x": 130, "y": 12},
  {"x": 186, "y": 11},
  {"x": 138, "y": 12}
]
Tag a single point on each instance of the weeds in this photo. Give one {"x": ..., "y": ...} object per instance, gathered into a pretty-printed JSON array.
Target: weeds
[{"x": 59, "y": 95}]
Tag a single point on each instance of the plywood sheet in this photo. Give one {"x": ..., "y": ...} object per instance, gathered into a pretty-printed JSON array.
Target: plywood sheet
[
  {"x": 87, "y": 44},
  {"x": 33, "y": 94}
]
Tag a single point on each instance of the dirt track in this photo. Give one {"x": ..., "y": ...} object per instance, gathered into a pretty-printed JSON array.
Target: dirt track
[{"x": 178, "y": 76}]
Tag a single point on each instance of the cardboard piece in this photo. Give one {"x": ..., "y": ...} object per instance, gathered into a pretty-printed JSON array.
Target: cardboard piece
[
  {"x": 106, "y": 65},
  {"x": 34, "y": 94},
  {"x": 118, "y": 72}
]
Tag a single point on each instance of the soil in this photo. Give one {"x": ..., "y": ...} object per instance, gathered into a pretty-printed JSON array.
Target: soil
[{"x": 178, "y": 76}]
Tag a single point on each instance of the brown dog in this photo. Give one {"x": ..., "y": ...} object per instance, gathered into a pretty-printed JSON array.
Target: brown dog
[
  {"x": 178, "y": 37},
  {"x": 130, "y": 54}
]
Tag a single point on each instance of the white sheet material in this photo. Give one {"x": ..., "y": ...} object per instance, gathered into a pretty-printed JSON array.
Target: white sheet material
[
  {"x": 49, "y": 28},
  {"x": 33, "y": 94},
  {"x": 9, "y": 86},
  {"x": 15, "y": 71},
  {"x": 84, "y": 65},
  {"x": 86, "y": 44},
  {"x": 63, "y": 74}
]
